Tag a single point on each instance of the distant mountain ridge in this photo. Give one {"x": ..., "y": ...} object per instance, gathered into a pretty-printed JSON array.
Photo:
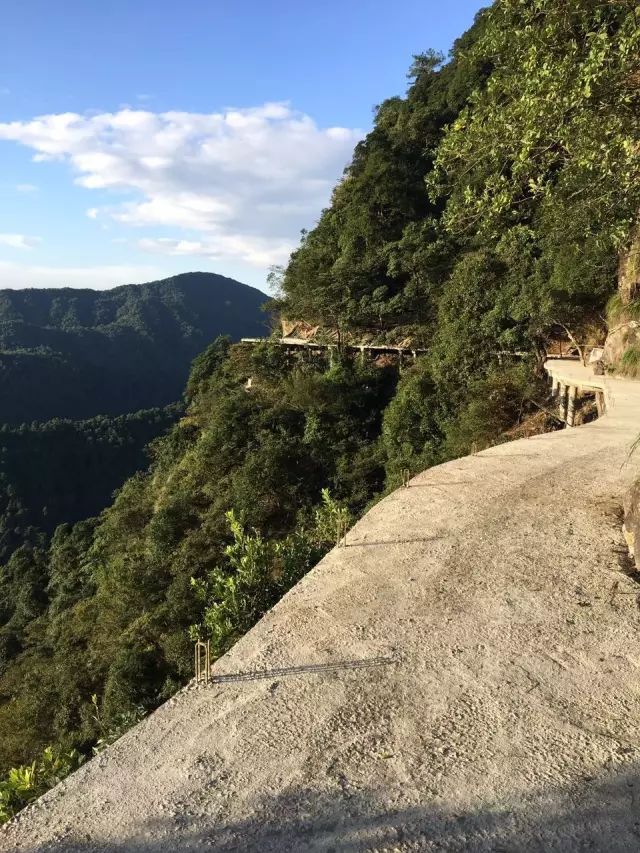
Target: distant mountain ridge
[{"x": 79, "y": 353}]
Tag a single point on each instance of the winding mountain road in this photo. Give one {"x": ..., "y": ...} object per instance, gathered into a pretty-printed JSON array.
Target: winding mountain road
[{"x": 463, "y": 676}]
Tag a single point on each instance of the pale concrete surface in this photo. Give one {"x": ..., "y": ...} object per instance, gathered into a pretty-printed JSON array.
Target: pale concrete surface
[{"x": 462, "y": 678}]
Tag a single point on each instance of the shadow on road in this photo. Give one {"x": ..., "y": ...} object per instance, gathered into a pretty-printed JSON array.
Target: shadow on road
[{"x": 598, "y": 815}]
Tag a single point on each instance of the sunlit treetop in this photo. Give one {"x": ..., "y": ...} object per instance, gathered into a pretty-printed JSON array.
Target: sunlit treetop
[{"x": 558, "y": 121}]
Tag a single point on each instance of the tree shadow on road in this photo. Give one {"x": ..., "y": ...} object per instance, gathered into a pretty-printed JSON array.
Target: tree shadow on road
[{"x": 597, "y": 815}]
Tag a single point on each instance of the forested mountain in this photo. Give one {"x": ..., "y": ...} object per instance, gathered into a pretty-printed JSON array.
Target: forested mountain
[
  {"x": 67, "y": 353},
  {"x": 485, "y": 212},
  {"x": 63, "y": 471}
]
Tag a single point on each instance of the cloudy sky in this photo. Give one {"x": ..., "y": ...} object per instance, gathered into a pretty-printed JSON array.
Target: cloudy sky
[{"x": 142, "y": 139}]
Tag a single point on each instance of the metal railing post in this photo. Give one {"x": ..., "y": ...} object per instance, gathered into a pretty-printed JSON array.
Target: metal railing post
[{"x": 202, "y": 669}]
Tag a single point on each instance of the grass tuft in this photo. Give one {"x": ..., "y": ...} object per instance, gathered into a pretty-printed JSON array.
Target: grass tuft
[
  {"x": 630, "y": 362},
  {"x": 618, "y": 312}
]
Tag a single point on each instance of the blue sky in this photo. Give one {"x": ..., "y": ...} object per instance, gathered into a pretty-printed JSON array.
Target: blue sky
[{"x": 140, "y": 139}]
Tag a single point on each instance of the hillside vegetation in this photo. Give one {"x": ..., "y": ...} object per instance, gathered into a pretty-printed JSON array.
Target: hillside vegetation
[
  {"x": 486, "y": 210},
  {"x": 68, "y": 353},
  {"x": 63, "y": 471}
]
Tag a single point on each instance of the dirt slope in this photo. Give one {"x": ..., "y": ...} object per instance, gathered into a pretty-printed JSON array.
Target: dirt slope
[{"x": 457, "y": 678}]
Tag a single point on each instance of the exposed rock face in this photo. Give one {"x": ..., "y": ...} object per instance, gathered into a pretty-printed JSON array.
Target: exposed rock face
[
  {"x": 631, "y": 527},
  {"x": 629, "y": 271},
  {"x": 626, "y": 331},
  {"x": 621, "y": 338}
]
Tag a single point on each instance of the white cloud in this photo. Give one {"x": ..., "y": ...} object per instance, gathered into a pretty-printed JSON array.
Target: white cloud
[
  {"x": 18, "y": 276},
  {"x": 240, "y": 184},
  {"x": 19, "y": 241},
  {"x": 256, "y": 251},
  {"x": 26, "y": 188}
]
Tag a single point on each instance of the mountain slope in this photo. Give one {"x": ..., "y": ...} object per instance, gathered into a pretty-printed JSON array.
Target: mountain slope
[
  {"x": 78, "y": 353},
  {"x": 64, "y": 471},
  {"x": 458, "y": 677}
]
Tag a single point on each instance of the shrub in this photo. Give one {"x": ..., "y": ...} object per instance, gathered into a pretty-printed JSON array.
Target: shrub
[
  {"x": 495, "y": 403},
  {"x": 410, "y": 432},
  {"x": 257, "y": 572},
  {"x": 26, "y": 783},
  {"x": 630, "y": 363},
  {"x": 119, "y": 724}
]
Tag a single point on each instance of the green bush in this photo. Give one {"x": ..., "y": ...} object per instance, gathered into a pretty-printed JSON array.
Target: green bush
[
  {"x": 630, "y": 362},
  {"x": 135, "y": 677},
  {"x": 411, "y": 433},
  {"x": 26, "y": 783},
  {"x": 257, "y": 572},
  {"x": 119, "y": 724},
  {"x": 494, "y": 404}
]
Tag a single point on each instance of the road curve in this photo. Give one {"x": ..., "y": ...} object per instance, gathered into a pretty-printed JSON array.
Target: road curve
[{"x": 463, "y": 676}]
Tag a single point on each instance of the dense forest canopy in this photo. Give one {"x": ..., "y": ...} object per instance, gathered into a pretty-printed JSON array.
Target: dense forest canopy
[
  {"x": 485, "y": 212},
  {"x": 68, "y": 353},
  {"x": 523, "y": 147},
  {"x": 63, "y": 471},
  {"x": 556, "y": 126}
]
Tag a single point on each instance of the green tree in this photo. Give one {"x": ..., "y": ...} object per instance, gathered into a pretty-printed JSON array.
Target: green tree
[{"x": 556, "y": 126}]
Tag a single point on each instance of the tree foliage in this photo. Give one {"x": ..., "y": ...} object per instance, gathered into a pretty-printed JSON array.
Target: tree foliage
[
  {"x": 557, "y": 123},
  {"x": 377, "y": 257},
  {"x": 24, "y": 784}
]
